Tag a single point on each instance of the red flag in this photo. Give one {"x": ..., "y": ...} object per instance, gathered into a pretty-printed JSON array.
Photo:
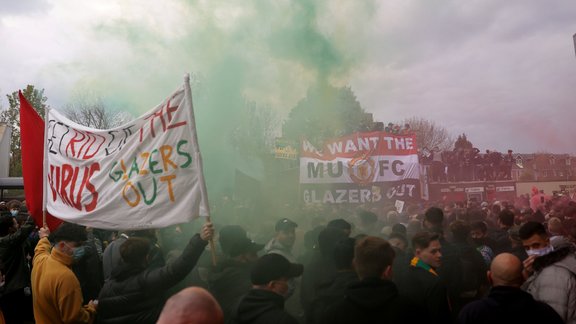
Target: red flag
[{"x": 32, "y": 145}]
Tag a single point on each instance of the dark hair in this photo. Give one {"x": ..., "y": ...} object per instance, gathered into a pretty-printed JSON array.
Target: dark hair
[
  {"x": 339, "y": 223},
  {"x": 400, "y": 236},
  {"x": 14, "y": 204},
  {"x": 399, "y": 228},
  {"x": 506, "y": 217},
  {"x": 372, "y": 255},
  {"x": 69, "y": 232},
  {"x": 530, "y": 228},
  {"x": 434, "y": 216},
  {"x": 6, "y": 223},
  {"x": 344, "y": 253},
  {"x": 134, "y": 250},
  {"x": 460, "y": 230},
  {"x": 328, "y": 238},
  {"x": 481, "y": 226},
  {"x": 311, "y": 237},
  {"x": 422, "y": 240}
]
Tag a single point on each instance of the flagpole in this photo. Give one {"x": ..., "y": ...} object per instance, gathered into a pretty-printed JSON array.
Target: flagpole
[
  {"x": 45, "y": 168},
  {"x": 203, "y": 190}
]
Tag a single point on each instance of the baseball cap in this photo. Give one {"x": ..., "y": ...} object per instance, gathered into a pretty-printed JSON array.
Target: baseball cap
[
  {"x": 285, "y": 224},
  {"x": 273, "y": 266}
]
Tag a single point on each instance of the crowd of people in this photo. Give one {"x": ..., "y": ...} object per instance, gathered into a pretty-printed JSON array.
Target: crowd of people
[
  {"x": 493, "y": 262},
  {"x": 467, "y": 164}
]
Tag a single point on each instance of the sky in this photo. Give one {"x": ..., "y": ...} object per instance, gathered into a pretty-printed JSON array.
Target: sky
[{"x": 503, "y": 72}]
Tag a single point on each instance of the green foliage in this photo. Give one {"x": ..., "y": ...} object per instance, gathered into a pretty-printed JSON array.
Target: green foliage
[
  {"x": 11, "y": 116},
  {"x": 326, "y": 112}
]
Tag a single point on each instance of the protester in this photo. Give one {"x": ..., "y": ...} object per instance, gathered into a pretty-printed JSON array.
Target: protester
[
  {"x": 321, "y": 268},
  {"x": 191, "y": 306},
  {"x": 550, "y": 271},
  {"x": 506, "y": 302},
  {"x": 111, "y": 258},
  {"x": 284, "y": 239},
  {"x": 342, "y": 225},
  {"x": 375, "y": 298},
  {"x": 264, "y": 304},
  {"x": 135, "y": 292},
  {"x": 478, "y": 234},
  {"x": 331, "y": 290},
  {"x": 56, "y": 291},
  {"x": 421, "y": 282},
  {"x": 501, "y": 235},
  {"x": 467, "y": 273},
  {"x": 230, "y": 279},
  {"x": 282, "y": 244},
  {"x": 16, "y": 300}
]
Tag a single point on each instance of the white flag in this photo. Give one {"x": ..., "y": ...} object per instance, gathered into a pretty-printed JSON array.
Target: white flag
[{"x": 144, "y": 174}]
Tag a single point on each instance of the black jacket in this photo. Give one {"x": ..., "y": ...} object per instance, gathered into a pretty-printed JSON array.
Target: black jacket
[
  {"x": 136, "y": 294},
  {"x": 428, "y": 292},
  {"x": 13, "y": 258},
  {"x": 373, "y": 300},
  {"x": 329, "y": 293},
  {"x": 228, "y": 282},
  {"x": 261, "y": 306},
  {"x": 508, "y": 305}
]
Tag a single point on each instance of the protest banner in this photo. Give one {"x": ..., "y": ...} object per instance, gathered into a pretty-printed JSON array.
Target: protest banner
[
  {"x": 374, "y": 167},
  {"x": 144, "y": 174}
]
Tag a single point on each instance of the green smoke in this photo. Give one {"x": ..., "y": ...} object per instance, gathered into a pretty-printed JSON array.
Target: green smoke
[{"x": 267, "y": 52}]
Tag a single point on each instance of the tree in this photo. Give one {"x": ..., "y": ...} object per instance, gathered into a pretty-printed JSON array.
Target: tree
[
  {"x": 92, "y": 112},
  {"x": 429, "y": 134},
  {"x": 11, "y": 116},
  {"x": 326, "y": 112},
  {"x": 255, "y": 130}
]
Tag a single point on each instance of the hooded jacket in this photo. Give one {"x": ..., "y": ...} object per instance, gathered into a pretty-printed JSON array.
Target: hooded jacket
[
  {"x": 373, "y": 300},
  {"x": 261, "y": 306},
  {"x": 554, "y": 282},
  {"x": 508, "y": 305},
  {"x": 136, "y": 294}
]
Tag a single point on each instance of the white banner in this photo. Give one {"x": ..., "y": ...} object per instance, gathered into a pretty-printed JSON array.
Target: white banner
[
  {"x": 363, "y": 171},
  {"x": 144, "y": 174}
]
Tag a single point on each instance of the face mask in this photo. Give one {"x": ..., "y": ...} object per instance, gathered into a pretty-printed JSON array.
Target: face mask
[
  {"x": 14, "y": 212},
  {"x": 78, "y": 252},
  {"x": 291, "y": 288},
  {"x": 540, "y": 252}
]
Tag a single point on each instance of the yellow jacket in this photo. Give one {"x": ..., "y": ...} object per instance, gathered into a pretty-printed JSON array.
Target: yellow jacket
[{"x": 55, "y": 289}]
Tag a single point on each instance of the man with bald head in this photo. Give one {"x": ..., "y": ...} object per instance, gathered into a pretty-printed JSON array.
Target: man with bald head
[
  {"x": 506, "y": 302},
  {"x": 191, "y": 306}
]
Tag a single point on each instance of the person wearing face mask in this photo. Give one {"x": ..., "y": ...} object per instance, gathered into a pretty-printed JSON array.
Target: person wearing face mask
[
  {"x": 264, "y": 304},
  {"x": 550, "y": 271},
  {"x": 13, "y": 207},
  {"x": 56, "y": 291}
]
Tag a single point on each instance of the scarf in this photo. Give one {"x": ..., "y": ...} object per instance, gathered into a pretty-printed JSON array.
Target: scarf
[{"x": 417, "y": 263}]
